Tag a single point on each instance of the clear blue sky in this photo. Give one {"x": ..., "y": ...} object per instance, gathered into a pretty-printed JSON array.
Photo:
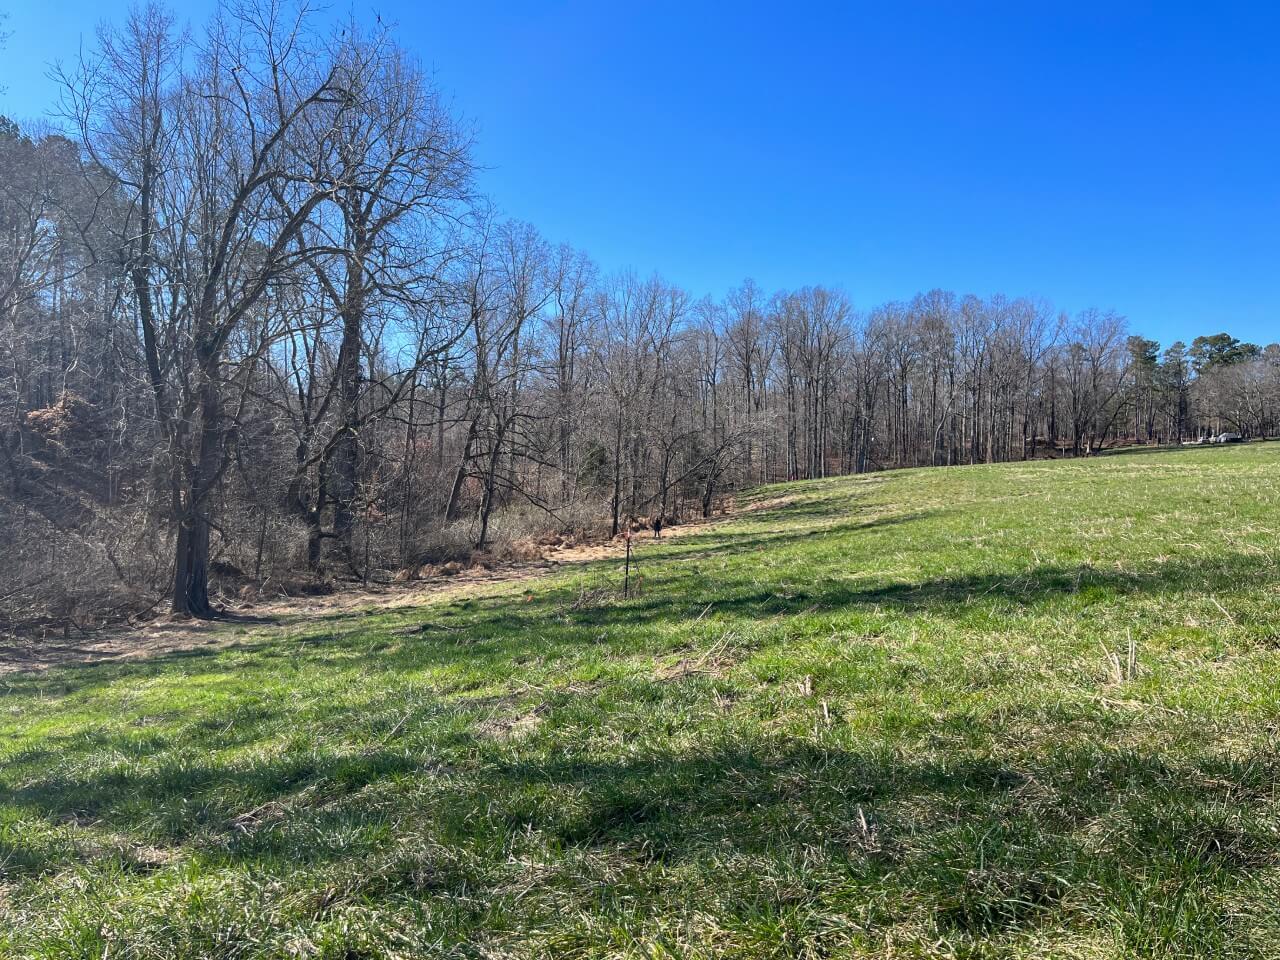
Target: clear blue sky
[{"x": 1106, "y": 154}]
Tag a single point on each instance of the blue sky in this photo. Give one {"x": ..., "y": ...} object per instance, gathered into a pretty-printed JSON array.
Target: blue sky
[{"x": 1118, "y": 155}]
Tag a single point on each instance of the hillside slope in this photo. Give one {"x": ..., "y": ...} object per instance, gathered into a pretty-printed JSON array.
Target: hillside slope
[{"x": 1025, "y": 710}]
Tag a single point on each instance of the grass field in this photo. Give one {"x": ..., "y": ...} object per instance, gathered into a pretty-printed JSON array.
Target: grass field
[{"x": 1026, "y": 710}]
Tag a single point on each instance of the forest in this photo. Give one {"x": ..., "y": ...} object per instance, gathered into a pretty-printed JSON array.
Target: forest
[{"x": 263, "y": 332}]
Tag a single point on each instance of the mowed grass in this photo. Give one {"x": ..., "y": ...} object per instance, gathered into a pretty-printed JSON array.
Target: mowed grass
[{"x": 888, "y": 716}]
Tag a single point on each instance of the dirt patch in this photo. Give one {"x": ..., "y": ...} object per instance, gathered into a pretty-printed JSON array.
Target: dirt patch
[
  {"x": 167, "y": 636},
  {"x": 511, "y": 726},
  {"x": 151, "y": 639},
  {"x": 715, "y": 662},
  {"x": 773, "y": 503}
]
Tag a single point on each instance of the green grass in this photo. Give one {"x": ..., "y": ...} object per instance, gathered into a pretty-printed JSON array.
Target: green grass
[{"x": 891, "y": 716}]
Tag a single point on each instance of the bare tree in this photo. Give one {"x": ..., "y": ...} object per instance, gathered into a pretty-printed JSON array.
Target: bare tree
[
  {"x": 253, "y": 322},
  {"x": 201, "y": 151}
]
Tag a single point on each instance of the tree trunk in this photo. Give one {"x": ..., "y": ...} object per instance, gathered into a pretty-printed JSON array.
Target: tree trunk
[
  {"x": 617, "y": 474},
  {"x": 346, "y": 459},
  {"x": 191, "y": 561},
  {"x": 490, "y": 484},
  {"x": 460, "y": 476}
]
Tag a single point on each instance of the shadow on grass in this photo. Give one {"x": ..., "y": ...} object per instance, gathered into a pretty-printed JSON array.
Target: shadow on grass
[
  {"x": 496, "y": 633},
  {"x": 982, "y": 844},
  {"x": 1081, "y": 585},
  {"x": 987, "y": 840}
]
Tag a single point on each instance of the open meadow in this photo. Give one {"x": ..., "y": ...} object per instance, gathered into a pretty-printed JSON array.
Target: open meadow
[{"x": 1019, "y": 710}]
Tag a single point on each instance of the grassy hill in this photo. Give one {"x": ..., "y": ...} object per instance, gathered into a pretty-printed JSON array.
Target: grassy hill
[{"x": 1027, "y": 710}]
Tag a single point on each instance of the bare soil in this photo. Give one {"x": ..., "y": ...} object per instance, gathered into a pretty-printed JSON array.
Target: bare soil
[{"x": 169, "y": 635}]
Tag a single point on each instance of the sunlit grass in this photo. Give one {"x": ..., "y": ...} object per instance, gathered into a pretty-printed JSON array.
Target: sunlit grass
[{"x": 1027, "y": 710}]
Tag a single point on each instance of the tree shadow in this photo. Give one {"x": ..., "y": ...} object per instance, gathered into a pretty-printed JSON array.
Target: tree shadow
[
  {"x": 484, "y": 634},
  {"x": 989, "y": 839},
  {"x": 979, "y": 843},
  {"x": 1082, "y": 585}
]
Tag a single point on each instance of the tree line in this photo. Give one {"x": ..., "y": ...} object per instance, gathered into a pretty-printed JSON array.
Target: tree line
[{"x": 261, "y": 328}]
